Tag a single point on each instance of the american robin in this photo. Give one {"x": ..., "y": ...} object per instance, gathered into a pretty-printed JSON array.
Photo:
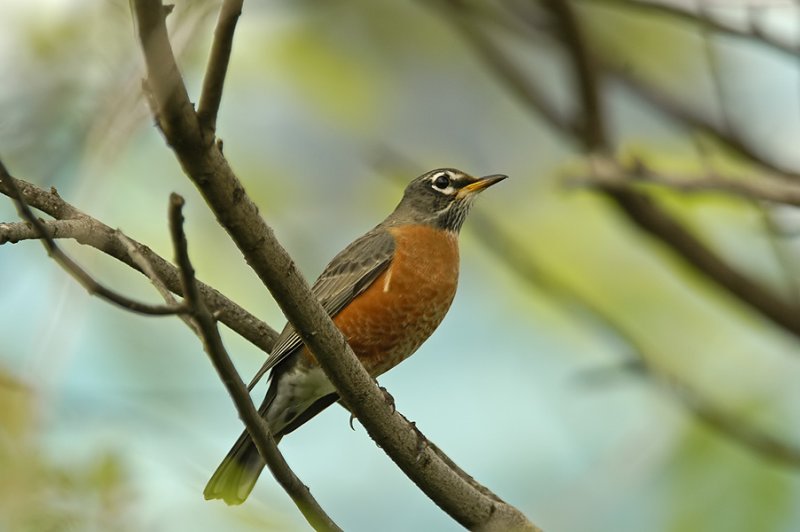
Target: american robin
[{"x": 387, "y": 292}]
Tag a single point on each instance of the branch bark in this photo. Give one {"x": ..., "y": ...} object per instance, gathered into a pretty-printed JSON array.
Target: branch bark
[
  {"x": 205, "y": 165},
  {"x": 206, "y": 327},
  {"x": 91, "y": 285},
  {"x": 639, "y": 208},
  {"x": 74, "y": 224},
  {"x": 218, "y": 60},
  {"x": 531, "y": 270},
  {"x": 762, "y": 188}
]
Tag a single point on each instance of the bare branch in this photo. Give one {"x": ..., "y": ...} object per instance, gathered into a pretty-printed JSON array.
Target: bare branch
[
  {"x": 14, "y": 232},
  {"x": 763, "y": 188},
  {"x": 460, "y": 15},
  {"x": 495, "y": 59},
  {"x": 516, "y": 256},
  {"x": 656, "y": 221},
  {"x": 70, "y": 266},
  {"x": 256, "y": 426},
  {"x": 91, "y": 232},
  {"x": 207, "y": 168},
  {"x": 166, "y": 92},
  {"x": 646, "y": 213},
  {"x": 653, "y": 219},
  {"x": 763, "y": 443},
  {"x": 593, "y": 131},
  {"x": 532, "y": 271},
  {"x": 668, "y": 105},
  {"x": 218, "y": 59}
]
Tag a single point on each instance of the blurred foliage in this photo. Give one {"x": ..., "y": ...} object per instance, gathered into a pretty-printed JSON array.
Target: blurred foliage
[
  {"x": 40, "y": 493},
  {"x": 316, "y": 90}
]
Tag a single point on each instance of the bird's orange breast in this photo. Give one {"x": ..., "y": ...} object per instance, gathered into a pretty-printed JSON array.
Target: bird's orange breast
[{"x": 389, "y": 320}]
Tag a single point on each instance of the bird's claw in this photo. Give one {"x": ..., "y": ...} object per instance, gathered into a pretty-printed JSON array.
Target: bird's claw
[{"x": 389, "y": 398}]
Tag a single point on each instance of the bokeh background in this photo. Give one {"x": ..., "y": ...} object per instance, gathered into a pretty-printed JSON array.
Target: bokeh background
[{"x": 586, "y": 373}]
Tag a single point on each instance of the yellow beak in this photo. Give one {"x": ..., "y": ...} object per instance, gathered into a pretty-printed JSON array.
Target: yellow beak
[{"x": 481, "y": 183}]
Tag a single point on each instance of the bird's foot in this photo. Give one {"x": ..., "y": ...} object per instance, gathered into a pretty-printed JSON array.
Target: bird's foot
[{"x": 389, "y": 398}]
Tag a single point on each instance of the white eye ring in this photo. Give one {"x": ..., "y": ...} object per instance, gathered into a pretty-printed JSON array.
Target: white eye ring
[{"x": 443, "y": 182}]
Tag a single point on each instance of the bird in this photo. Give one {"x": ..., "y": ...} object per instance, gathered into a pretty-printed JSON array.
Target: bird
[{"x": 387, "y": 292}]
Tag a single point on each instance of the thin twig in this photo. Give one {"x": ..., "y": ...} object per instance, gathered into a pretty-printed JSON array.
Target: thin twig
[
  {"x": 734, "y": 428},
  {"x": 75, "y": 224},
  {"x": 459, "y": 14},
  {"x": 494, "y": 58},
  {"x": 256, "y": 426},
  {"x": 586, "y": 79},
  {"x": 650, "y": 217},
  {"x": 70, "y": 266},
  {"x": 760, "y": 189},
  {"x": 731, "y": 427},
  {"x": 668, "y": 105},
  {"x": 218, "y": 60},
  {"x": 146, "y": 267}
]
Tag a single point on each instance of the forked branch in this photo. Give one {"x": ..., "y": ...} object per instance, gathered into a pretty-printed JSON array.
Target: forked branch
[{"x": 205, "y": 165}]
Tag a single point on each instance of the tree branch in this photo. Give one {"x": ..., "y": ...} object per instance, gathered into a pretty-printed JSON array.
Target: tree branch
[
  {"x": 668, "y": 105},
  {"x": 591, "y": 113},
  {"x": 207, "y": 168},
  {"x": 256, "y": 426},
  {"x": 73, "y": 268},
  {"x": 528, "y": 268},
  {"x": 646, "y": 214},
  {"x": 732, "y": 427},
  {"x": 75, "y": 224},
  {"x": 761, "y": 189},
  {"x": 495, "y": 59},
  {"x": 656, "y": 221},
  {"x": 218, "y": 59}
]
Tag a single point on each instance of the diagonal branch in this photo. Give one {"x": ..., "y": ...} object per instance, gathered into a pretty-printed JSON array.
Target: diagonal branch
[
  {"x": 75, "y": 224},
  {"x": 769, "y": 446},
  {"x": 73, "y": 268},
  {"x": 651, "y": 218},
  {"x": 515, "y": 255},
  {"x": 594, "y": 132},
  {"x": 763, "y": 188},
  {"x": 671, "y": 107},
  {"x": 495, "y": 59},
  {"x": 647, "y": 214},
  {"x": 732, "y": 427},
  {"x": 205, "y": 165},
  {"x": 211, "y": 96},
  {"x": 206, "y": 326}
]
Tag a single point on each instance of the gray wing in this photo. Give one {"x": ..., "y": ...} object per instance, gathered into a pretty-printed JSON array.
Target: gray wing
[{"x": 346, "y": 276}]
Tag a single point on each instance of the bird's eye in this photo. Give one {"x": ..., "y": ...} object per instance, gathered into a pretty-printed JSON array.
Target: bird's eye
[{"x": 441, "y": 182}]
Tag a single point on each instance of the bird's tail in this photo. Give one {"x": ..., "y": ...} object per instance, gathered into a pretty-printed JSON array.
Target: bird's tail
[{"x": 237, "y": 474}]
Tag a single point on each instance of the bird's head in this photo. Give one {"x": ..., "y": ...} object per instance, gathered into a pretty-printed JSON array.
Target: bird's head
[{"x": 441, "y": 198}]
